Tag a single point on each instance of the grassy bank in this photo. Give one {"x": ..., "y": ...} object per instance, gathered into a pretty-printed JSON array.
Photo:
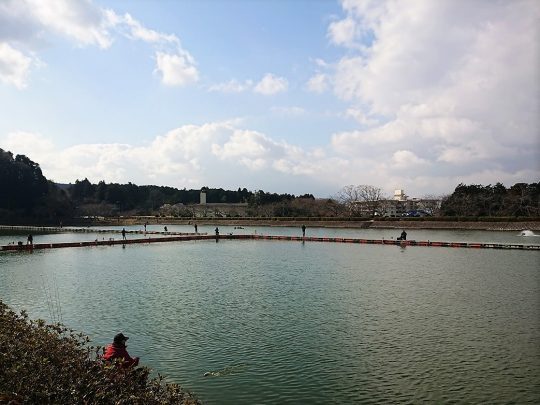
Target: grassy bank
[{"x": 50, "y": 364}]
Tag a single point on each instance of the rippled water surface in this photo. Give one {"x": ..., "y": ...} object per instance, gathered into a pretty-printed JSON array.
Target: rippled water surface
[{"x": 292, "y": 322}]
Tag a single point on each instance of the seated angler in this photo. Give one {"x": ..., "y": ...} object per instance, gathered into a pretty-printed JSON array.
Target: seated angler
[
  {"x": 403, "y": 236},
  {"x": 117, "y": 350}
]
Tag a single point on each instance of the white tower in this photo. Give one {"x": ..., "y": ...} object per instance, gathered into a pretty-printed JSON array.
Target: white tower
[{"x": 399, "y": 195}]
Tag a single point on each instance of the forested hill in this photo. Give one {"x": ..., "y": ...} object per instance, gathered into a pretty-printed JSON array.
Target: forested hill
[
  {"x": 26, "y": 194},
  {"x": 21, "y": 181}
]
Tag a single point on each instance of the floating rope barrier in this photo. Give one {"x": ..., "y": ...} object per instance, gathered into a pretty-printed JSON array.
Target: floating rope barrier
[
  {"x": 189, "y": 237},
  {"x": 52, "y": 229}
]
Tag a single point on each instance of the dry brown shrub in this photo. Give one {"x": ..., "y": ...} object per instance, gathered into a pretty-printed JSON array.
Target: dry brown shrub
[{"x": 51, "y": 364}]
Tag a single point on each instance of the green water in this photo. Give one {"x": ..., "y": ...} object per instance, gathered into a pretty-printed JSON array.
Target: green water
[{"x": 292, "y": 322}]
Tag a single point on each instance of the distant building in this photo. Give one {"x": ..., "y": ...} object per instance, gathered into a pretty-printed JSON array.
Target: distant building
[
  {"x": 399, "y": 195},
  {"x": 401, "y": 204},
  {"x": 205, "y": 209}
]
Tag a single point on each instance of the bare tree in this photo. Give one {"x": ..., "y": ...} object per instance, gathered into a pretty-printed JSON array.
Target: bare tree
[
  {"x": 371, "y": 197},
  {"x": 361, "y": 199},
  {"x": 349, "y": 196},
  {"x": 431, "y": 203}
]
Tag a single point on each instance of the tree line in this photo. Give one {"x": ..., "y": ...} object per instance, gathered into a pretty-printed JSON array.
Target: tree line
[
  {"x": 147, "y": 199},
  {"x": 476, "y": 200},
  {"x": 26, "y": 195}
]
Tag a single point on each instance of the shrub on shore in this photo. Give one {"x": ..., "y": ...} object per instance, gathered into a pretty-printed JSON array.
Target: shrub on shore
[{"x": 51, "y": 364}]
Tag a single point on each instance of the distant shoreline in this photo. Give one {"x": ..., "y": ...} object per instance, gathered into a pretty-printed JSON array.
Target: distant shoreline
[
  {"x": 397, "y": 224},
  {"x": 421, "y": 223},
  {"x": 471, "y": 225}
]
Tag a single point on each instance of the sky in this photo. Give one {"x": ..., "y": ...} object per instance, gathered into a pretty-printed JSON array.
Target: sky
[{"x": 299, "y": 96}]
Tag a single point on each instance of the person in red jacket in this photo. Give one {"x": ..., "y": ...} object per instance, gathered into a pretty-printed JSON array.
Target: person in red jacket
[{"x": 117, "y": 350}]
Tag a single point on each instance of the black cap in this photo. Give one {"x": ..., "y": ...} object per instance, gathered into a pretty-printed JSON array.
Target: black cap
[{"x": 119, "y": 338}]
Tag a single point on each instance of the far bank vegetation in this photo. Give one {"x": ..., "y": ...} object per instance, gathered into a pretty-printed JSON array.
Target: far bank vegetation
[{"x": 26, "y": 196}]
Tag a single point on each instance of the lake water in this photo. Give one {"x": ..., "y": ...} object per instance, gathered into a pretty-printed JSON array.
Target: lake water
[{"x": 293, "y": 322}]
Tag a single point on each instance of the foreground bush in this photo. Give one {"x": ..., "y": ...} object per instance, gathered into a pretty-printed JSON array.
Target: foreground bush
[{"x": 46, "y": 364}]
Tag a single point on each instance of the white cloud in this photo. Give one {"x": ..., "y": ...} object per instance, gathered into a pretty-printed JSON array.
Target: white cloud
[
  {"x": 405, "y": 64},
  {"x": 138, "y": 31},
  {"x": 79, "y": 20},
  {"x": 342, "y": 32},
  {"x": 176, "y": 66},
  {"x": 318, "y": 83},
  {"x": 190, "y": 156},
  {"x": 271, "y": 84},
  {"x": 454, "y": 82},
  {"x": 176, "y": 158},
  {"x": 31, "y": 23},
  {"x": 292, "y": 111},
  {"x": 37, "y": 143},
  {"x": 268, "y": 85},
  {"x": 405, "y": 158},
  {"x": 474, "y": 150},
  {"x": 360, "y": 116},
  {"x": 222, "y": 154},
  {"x": 232, "y": 86},
  {"x": 176, "y": 69},
  {"x": 14, "y": 66},
  {"x": 351, "y": 142},
  {"x": 244, "y": 144},
  {"x": 321, "y": 63}
]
